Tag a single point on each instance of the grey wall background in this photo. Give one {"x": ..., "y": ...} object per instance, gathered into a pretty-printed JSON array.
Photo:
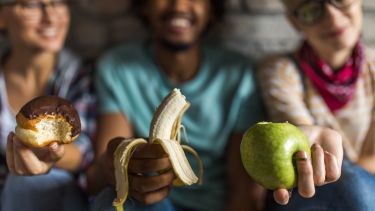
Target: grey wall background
[{"x": 254, "y": 27}]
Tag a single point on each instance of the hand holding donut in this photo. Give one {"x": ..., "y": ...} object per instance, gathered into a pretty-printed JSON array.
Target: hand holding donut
[{"x": 43, "y": 125}]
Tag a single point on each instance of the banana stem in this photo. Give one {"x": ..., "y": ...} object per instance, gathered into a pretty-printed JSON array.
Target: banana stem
[{"x": 120, "y": 208}]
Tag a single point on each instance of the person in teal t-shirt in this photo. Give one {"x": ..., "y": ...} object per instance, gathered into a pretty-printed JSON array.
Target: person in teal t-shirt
[{"x": 133, "y": 79}]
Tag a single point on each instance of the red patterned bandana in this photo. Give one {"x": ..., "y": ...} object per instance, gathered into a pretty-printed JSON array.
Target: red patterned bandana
[{"x": 336, "y": 87}]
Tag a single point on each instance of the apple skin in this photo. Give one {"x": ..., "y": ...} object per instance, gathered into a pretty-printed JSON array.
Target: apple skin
[{"x": 267, "y": 151}]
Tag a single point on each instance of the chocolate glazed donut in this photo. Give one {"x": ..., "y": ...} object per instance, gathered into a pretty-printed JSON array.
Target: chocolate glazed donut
[{"x": 46, "y": 119}]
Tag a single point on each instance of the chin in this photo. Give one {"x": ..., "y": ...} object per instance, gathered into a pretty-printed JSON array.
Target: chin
[
  {"x": 341, "y": 43},
  {"x": 176, "y": 46},
  {"x": 51, "y": 48},
  {"x": 344, "y": 44}
]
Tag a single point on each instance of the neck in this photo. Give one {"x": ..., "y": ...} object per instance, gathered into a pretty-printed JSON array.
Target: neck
[
  {"x": 179, "y": 66},
  {"x": 26, "y": 75},
  {"x": 24, "y": 63}
]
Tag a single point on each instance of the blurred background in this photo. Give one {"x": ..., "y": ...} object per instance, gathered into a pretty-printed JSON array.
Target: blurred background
[{"x": 254, "y": 27}]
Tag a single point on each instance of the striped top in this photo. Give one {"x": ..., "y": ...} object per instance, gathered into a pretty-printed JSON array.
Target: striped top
[{"x": 290, "y": 96}]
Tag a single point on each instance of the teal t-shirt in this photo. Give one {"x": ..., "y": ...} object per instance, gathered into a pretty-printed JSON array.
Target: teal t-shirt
[{"x": 223, "y": 99}]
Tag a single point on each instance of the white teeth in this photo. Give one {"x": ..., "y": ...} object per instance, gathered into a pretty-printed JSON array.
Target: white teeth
[
  {"x": 164, "y": 130},
  {"x": 180, "y": 22},
  {"x": 48, "y": 32}
]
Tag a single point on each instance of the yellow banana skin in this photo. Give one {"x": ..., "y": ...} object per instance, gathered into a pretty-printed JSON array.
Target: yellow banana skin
[{"x": 164, "y": 130}]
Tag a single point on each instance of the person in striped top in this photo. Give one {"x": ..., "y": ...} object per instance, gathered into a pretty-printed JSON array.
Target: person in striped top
[
  {"x": 33, "y": 64},
  {"x": 329, "y": 80}
]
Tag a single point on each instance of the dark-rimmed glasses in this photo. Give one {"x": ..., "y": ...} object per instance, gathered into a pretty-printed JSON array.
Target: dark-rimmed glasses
[
  {"x": 311, "y": 11},
  {"x": 33, "y": 10}
]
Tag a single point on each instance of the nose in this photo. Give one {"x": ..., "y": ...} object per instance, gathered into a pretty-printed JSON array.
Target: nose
[
  {"x": 179, "y": 5},
  {"x": 48, "y": 12},
  {"x": 333, "y": 15}
]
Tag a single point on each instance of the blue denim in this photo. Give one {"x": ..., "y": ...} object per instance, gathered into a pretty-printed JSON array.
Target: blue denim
[
  {"x": 55, "y": 191},
  {"x": 354, "y": 191},
  {"x": 103, "y": 202}
]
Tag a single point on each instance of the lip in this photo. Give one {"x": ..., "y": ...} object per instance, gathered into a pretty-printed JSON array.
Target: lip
[
  {"x": 179, "y": 23},
  {"x": 336, "y": 32},
  {"x": 49, "y": 33}
]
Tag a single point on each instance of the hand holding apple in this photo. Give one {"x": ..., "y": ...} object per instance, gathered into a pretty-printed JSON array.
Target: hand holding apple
[{"x": 277, "y": 155}]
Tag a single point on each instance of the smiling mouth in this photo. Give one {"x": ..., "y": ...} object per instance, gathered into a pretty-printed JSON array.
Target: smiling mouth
[
  {"x": 49, "y": 33},
  {"x": 336, "y": 33},
  {"x": 180, "y": 22},
  {"x": 177, "y": 21}
]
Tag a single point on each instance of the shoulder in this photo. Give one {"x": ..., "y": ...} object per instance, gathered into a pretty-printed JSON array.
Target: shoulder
[
  {"x": 370, "y": 55},
  {"x": 68, "y": 57},
  {"x": 276, "y": 66},
  {"x": 231, "y": 66},
  {"x": 226, "y": 57},
  {"x": 70, "y": 64}
]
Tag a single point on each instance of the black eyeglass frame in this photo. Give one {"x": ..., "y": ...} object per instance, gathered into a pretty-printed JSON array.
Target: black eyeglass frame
[
  {"x": 42, "y": 5},
  {"x": 322, "y": 10}
]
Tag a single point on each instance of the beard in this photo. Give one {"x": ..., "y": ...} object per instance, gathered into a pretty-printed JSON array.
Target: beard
[{"x": 176, "y": 47}]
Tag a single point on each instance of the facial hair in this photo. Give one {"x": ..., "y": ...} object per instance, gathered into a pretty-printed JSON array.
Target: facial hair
[{"x": 176, "y": 47}]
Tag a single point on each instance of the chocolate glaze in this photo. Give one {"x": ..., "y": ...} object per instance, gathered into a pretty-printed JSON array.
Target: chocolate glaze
[{"x": 52, "y": 105}]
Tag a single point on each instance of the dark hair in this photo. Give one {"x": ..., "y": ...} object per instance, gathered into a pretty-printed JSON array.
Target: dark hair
[{"x": 217, "y": 6}]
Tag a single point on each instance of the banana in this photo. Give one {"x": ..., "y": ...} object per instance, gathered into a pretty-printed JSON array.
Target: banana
[{"x": 164, "y": 130}]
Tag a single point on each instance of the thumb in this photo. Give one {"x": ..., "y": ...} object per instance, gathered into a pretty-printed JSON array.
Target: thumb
[{"x": 56, "y": 151}]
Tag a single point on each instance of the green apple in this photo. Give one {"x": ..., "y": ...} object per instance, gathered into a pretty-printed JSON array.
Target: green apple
[{"x": 267, "y": 151}]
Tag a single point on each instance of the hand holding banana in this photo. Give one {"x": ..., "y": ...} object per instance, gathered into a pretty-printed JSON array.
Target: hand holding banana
[{"x": 165, "y": 135}]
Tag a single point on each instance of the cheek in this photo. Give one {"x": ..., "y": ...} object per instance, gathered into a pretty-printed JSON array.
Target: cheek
[
  {"x": 20, "y": 32},
  {"x": 356, "y": 16},
  {"x": 311, "y": 33},
  {"x": 203, "y": 18},
  {"x": 65, "y": 24},
  {"x": 358, "y": 22}
]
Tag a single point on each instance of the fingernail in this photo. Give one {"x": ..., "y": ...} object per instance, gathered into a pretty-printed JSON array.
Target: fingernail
[
  {"x": 53, "y": 146},
  {"x": 301, "y": 155},
  {"x": 316, "y": 146}
]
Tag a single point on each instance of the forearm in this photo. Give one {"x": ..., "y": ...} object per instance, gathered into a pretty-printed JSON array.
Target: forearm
[
  {"x": 368, "y": 163},
  {"x": 101, "y": 172},
  {"x": 244, "y": 193},
  {"x": 96, "y": 175},
  {"x": 247, "y": 197},
  {"x": 71, "y": 160}
]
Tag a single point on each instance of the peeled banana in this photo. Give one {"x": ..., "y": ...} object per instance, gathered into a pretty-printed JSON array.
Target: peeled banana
[{"x": 164, "y": 130}]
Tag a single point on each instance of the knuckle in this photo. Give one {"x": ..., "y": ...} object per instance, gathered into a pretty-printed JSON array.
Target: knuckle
[
  {"x": 332, "y": 135},
  {"x": 319, "y": 180},
  {"x": 12, "y": 170},
  {"x": 169, "y": 176},
  {"x": 18, "y": 172},
  {"x": 307, "y": 193},
  {"x": 34, "y": 171},
  {"x": 332, "y": 176},
  {"x": 156, "y": 196},
  {"x": 149, "y": 200},
  {"x": 141, "y": 188},
  {"x": 141, "y": 198},
  {"x": 37, "y": 171},
  {"x": 305, "y": 169}
]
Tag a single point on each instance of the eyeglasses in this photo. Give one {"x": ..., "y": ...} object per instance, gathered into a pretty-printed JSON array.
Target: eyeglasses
[
  {"x": 33, "y": 10},
  {"x": 311, "y": 11}
]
